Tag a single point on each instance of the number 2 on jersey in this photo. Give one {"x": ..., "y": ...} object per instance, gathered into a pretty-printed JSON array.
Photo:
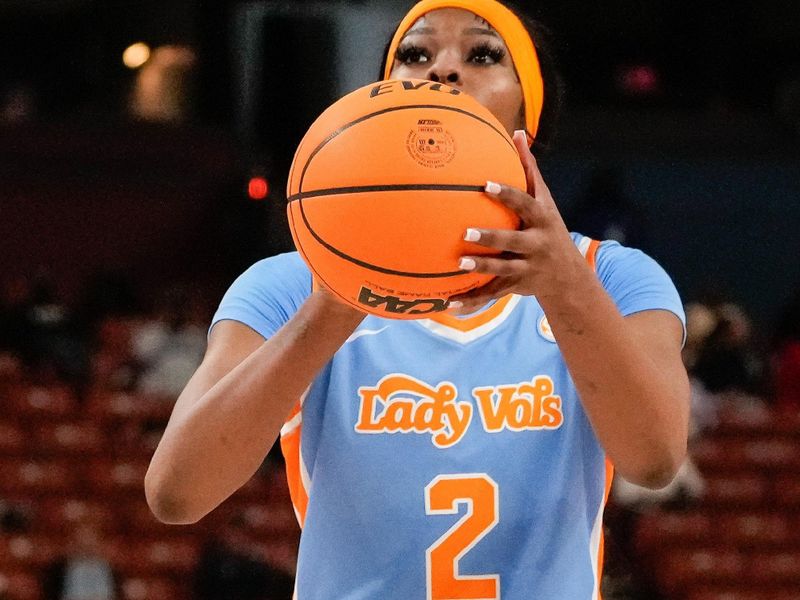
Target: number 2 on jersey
[{"x": 442, "y": 497}]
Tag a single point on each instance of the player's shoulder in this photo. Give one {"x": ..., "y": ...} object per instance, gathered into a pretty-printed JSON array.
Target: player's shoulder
[
  {"x": 608, "y": 253},
  {"x": 287, "y": 262},
  {"x": 267, "y": 294},
  {"x": 282, "y": 275},
  {"x": 279, "y": 270},
  {"x": 633, "y": 279}
]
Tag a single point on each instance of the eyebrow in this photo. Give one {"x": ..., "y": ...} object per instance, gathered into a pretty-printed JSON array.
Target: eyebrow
[
  {"x": 468, "y": 31},
  {"x": 480, "y": 31}
]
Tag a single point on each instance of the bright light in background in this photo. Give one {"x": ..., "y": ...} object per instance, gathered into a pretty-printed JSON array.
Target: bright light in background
[
  {"x": 257, "y": 188},
  {"x": 136, "y": 55},
  {"x": 639, "y": 80}
]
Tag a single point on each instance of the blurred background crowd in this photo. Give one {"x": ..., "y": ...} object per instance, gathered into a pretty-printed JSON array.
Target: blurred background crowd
[{"x": 143, "y": 154}]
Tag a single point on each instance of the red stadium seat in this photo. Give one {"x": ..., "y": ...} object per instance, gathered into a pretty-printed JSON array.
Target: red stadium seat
[
  {"x": 121, "y": 478},
  {"x": 746, "y": 420},
  {"x": 256, "y": 489},
  {"x": 274, "y": 519},
  {"x": 738, "y": 455},
  {"x": 282, "y": 553},
  {"x": 175, "y": 556},
  {"x": 660, "y": 529},
  {"x": 683, "y": 570},
  {"x": 16, "y": 584},
  {"x": 279, "y": 487},
  {"x": 172, "y": 555},
  {"x": 123, "y": 406},
  {"x": 775, "y": 568},
  {"x": 719, "y": 455},
  {"x": 153, "y": 588},
  {"x": 29, "y": 551},
  {"x": 786, "y": 491},
  {"x": 787, "y": 422},
  {"x": 138, "y": 519},
  {"x": 62, "y": 514},
  {"x": 72, "y": 437},
  {"x": 775, "y": 453},
  {"x": 13, "y": 439},
  {"x": 37, "y": 477},
  {"x": 736, "y": 490},
  {"x": 734, "y": 593},
  {"x": 36, "y": 403},
  {"x": 751, "y": 529}
]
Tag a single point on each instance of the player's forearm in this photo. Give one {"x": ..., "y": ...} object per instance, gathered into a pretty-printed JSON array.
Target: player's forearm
[
  {"x": 638, "y": 410},
  {"x": 216, "y": 444}
]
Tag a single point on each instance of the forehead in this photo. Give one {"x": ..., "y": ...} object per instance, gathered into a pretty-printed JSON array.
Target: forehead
[{"x": 448, "y": 18}]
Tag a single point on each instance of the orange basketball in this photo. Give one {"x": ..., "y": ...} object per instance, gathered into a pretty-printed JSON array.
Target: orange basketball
[{"x": 384, "y": 185}]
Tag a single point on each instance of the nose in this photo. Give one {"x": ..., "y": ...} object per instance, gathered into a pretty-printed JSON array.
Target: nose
[
  {"x": 446, "y": 69},
  {"x": 450, "y": 78}
]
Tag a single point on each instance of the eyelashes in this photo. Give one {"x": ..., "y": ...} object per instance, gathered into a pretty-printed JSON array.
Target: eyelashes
[
  {"x": 480, "y": 54},
  {"x": 411, "y": 54},
  {"x": 485, "y": 52}
]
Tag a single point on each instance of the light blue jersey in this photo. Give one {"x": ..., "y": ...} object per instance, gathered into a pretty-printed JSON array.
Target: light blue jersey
[{"x": 447, "y": 457}]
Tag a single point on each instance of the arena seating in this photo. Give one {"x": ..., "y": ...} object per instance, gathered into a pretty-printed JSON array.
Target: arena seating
[
  {"x": 64, "y": 461},
  {"x": 742, "y": 540}
]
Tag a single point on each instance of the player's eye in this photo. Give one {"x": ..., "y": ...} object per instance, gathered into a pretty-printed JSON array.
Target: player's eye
[
  {"x": 486, "y": 54},
  {"x": 412, "y": 54}
]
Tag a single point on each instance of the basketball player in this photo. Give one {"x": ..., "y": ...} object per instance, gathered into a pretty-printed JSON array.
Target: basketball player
[{"x": 465, "y": 456}]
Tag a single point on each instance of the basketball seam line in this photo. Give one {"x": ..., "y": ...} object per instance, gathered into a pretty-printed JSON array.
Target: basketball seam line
[
  {"x": 314, "y": 271},
  {"x": 300, "y": 194},
  {"x": 399, "y": 187},
  {"x": 367, "y": 265}
]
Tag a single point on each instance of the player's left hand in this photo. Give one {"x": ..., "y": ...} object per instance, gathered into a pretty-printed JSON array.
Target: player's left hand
[{"x": 538, "y": 259}]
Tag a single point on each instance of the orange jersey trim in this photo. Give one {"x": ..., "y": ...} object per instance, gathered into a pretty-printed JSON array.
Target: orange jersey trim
[
  {"x": 476, "y": 321},
  {"x": 601, "y": 549},
  {"x": 591, "y": 258},
  {"x": 591, "y": 254},
  {"x": 290, "y": 447}
]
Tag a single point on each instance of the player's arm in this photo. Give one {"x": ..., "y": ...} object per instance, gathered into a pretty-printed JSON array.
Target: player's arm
[
  {"x": 231, "y": 411},
  {"x": 627, "y": 370},
  {"x": 630, "y": 377}
]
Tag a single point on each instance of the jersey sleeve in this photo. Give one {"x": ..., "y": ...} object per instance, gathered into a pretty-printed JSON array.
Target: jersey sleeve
[
  {"x": 267, "y": 294},
  {"x": 636, "y": 282}
]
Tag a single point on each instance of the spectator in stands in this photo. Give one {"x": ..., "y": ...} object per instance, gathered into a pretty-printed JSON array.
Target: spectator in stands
[
  {"x": 170, "y": 345},
  {"x": 725, "y": 359},
  {"x": 83, "y": 573},
  {"x": 14, "y": 517},
  {"x": 104, "y": 318},
  {"x": 786, "y": 357},
  {"x": 231, "y": 567},
  {"x": 35, "y": 324},
  {"x": 700, "y": 322}
]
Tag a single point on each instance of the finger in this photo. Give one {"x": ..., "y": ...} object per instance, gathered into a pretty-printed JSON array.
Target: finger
[
  {"x": 506, "y": 240},
  {"x": 520, "y": 202},
  {"x": 469, "y": 301},
  {"x": 536, "y": 184},
  {"x": 503, "y": 267}
]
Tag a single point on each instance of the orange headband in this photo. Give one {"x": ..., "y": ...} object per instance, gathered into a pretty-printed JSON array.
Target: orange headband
[{"x": 513, "y": 32}]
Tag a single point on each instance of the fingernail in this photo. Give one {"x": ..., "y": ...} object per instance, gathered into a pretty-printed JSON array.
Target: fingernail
[
  {"x": 521, "y": 132},
  {"x": 466, "y": 264},
  {"x": 492, "y": 188},
  {"x": 454, "y": 304},
  {"x": 472, "y": 235}
]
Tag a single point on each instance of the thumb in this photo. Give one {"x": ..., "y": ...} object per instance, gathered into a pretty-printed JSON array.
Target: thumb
[{"x": 532, "y": 173}]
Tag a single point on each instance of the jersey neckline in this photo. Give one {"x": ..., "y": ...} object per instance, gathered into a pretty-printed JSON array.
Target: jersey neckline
[{"x": 465, "y": 330}]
